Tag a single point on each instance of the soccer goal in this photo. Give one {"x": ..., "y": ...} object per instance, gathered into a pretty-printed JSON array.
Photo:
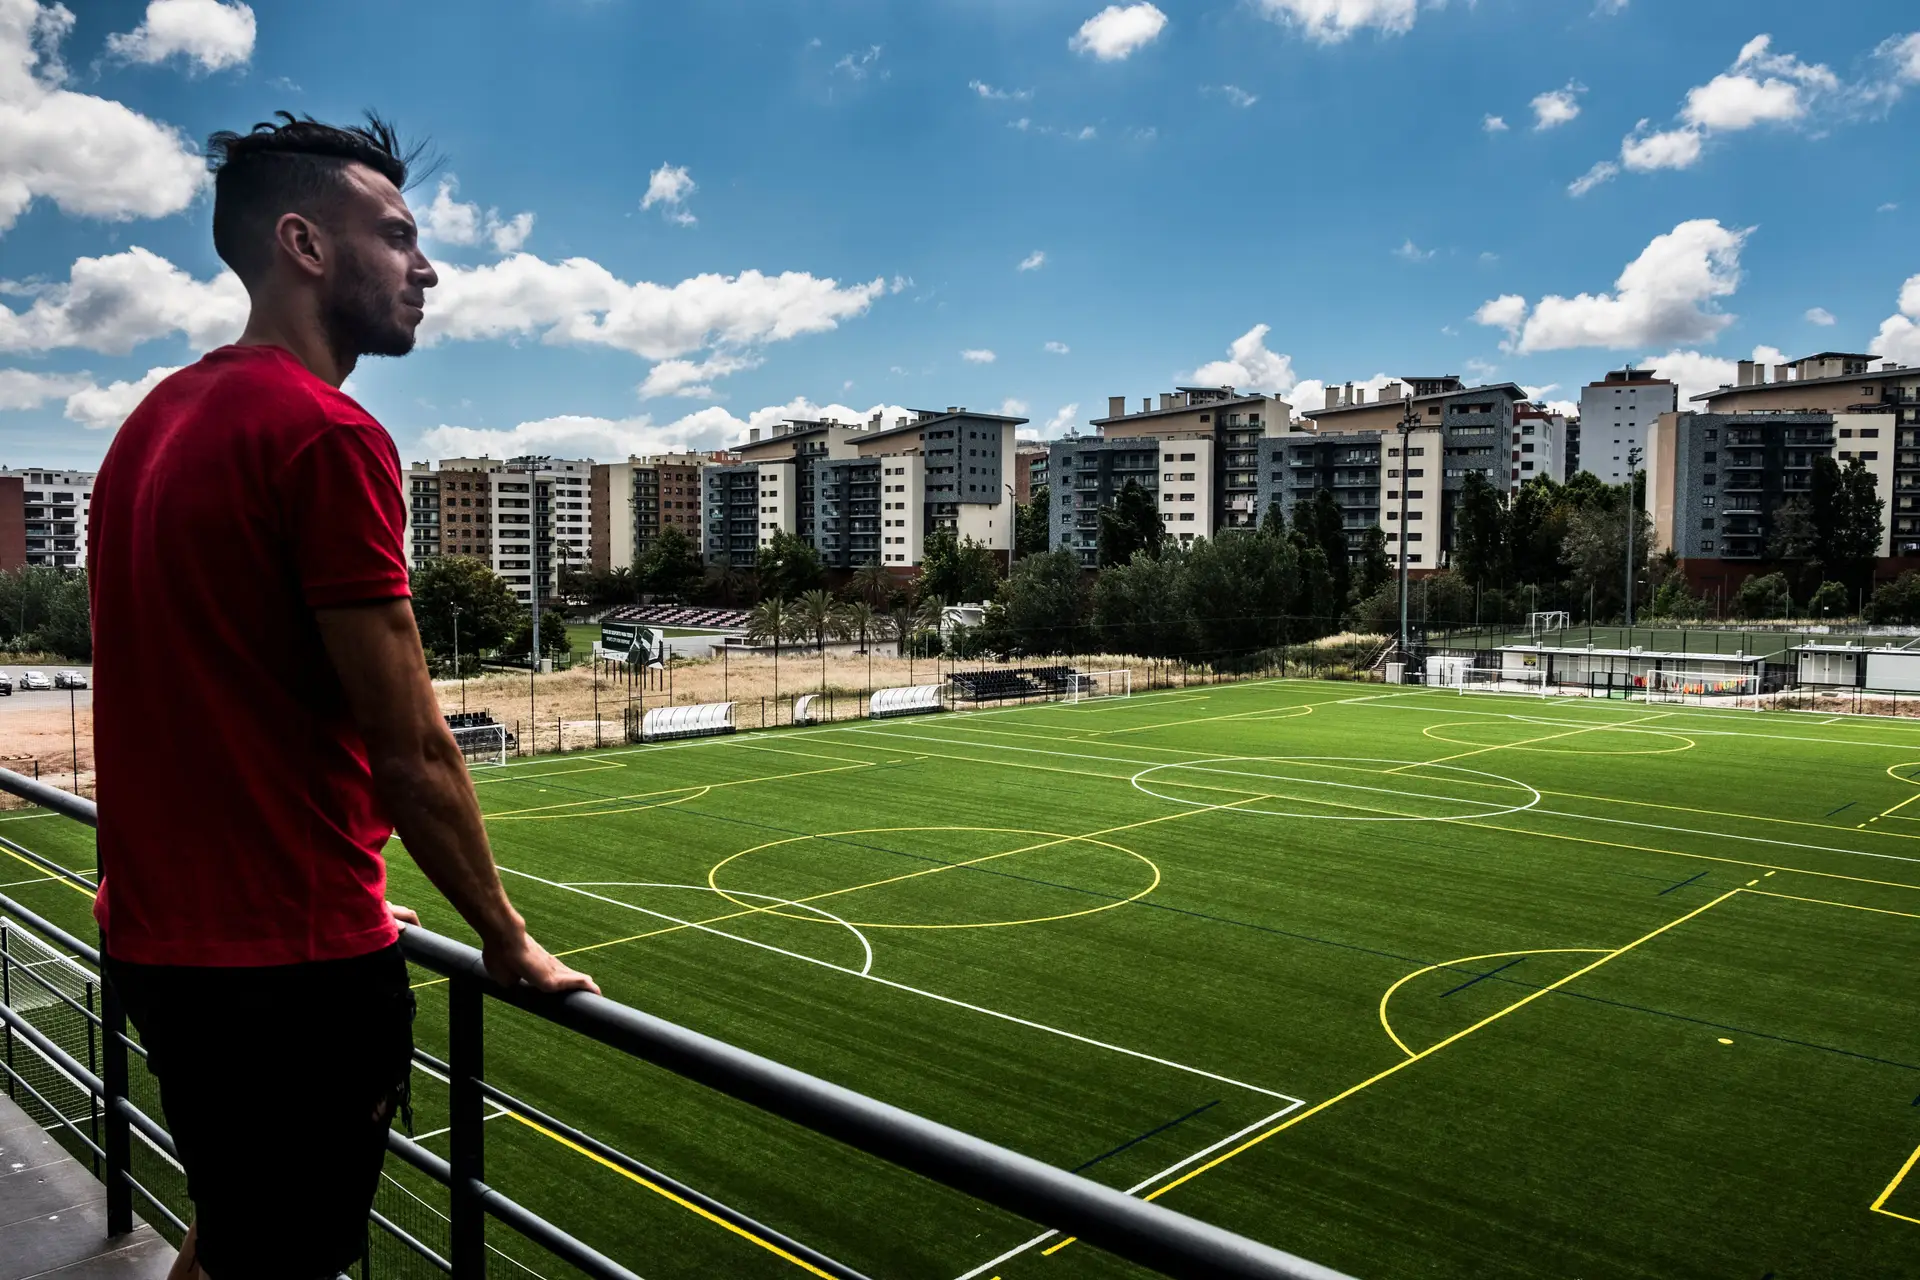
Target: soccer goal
[
  {"x": 482, "y": 744},
  {"x": 1547, "y": 622},
  {"x": 1739, "y": 691},
  {"x": 1461, "y": 675},
  {"x": 1082, "y": 685}
]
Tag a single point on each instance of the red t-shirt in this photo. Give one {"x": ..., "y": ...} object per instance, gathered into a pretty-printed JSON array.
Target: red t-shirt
[{"x": 238, "y": 822}]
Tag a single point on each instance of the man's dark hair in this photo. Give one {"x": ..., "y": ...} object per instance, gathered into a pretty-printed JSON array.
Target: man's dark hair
[{"x": 294, "y": 166}]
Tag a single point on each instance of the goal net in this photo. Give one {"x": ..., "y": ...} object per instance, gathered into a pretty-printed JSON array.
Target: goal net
[
  {"x": 482, "y": 744},
  {"x": 1547, "y": 622},
  {"x": 1738, "y": 690},
  {"x": 1462, "y": 676},
  {"x": 1082, "y": 685}
]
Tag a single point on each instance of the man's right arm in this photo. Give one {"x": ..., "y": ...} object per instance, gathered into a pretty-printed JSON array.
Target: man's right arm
[{"x": 423, "y": 783}]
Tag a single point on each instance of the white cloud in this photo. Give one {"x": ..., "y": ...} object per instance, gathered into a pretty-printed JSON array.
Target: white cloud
[
  {"x": 1493, "y": 124},
  {"x": 1056, "y": 348},
  {"x": 453, "y": 222},
  {"x": 579, "y": 301},
  {"x": 1735, "y": 102},
  {"x": 1557, "y": 107},
  {"x": 1481, "y": 370},
  {"x": 208, "y": 33},
  {"x": 1604, "y": 171},
  {"x": 992, "y": 94},
  {"x": 859, "y": 64},
  {"x": 91, "y": 156},
  {"x": 585, "y": 436},
  {"x": 1899, "y": 338},
  {"x": 978, "y": 355},
  {"x": 1118, "y": 31},
  {"x": 24, "y": 389},
  {"x": 1063, "y": 420},
  {"x": 1235, "y": 94},
  {"x": 669, "y": 186},
  {"x": 1411, "y": 252},
  {"x": 1820, "y": 316},
  {"x": 1607, "y": 8},
  {"x": 1902, "y": 55},
  {"x": 1033, "y": 261},
  {"x": 114, "y": 303},
  {"x": 1664, "y": 295},
  {"x": 694, "y": 379},
  {"x": 1888, "y": 207},
  {"x": 1013, "y": 408},
  {"x": 1249, "y": 366},
  {"x": 105, "y": 408},
  {"x": 1695, "y": 372},
  {"x": 1331, "y": 21},
  {"x": 1642, "y": 152}
]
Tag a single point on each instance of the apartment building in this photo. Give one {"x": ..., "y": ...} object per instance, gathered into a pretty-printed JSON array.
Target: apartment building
[
  {"x": 1196, "y": 452},
  {"x": 629, "y": 503},
  {"x": 1541, "y": 444},
  {"x": 865, "y": 491},
  {"x": 527, "y": 517},
  {"x": 1350, "y": 464},
  {"x": 49, "y": 520},
  {"x": 1029, "y": 468},
  {"x": 1617, "y": 414},
  {"x": 1460, "y": 431}
]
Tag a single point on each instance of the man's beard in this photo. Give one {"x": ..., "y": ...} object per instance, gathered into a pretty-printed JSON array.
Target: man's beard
[{"x": 360, "y": 317}]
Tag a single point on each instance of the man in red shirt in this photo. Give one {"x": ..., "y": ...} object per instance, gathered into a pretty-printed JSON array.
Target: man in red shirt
[{"x": 264, "y": 720}]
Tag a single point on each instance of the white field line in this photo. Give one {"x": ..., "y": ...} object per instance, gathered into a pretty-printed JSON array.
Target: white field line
[
  {"x": 15, "y": 884},
  {"x": 1682, "y": 730},
  {"x": 495, "y": 1114},
  {"x": 1140, "y": 1186},
  {"x": 910, "y": 990}
]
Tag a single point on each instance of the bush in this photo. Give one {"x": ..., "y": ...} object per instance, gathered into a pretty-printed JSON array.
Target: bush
[
  {"x": 1766, "y": 596},
  {"x": 1897, "y": 601},
  {"x": 1830, "y": 601}
]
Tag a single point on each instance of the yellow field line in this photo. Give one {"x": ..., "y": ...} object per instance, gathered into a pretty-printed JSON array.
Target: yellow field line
[
  {"x": 1270, "y": 713},
  {"x": 1715, "y": 813},
  {"x": 695, "y": 786},
  {"x": 1828, "y": 902},
  {"x": 551, "y": 773},
  {"x": 1896, "y": 808},
  {"x": 1505, "y": 746},
  {"x": 659, "y": 1190},
  {"x": 1404, "y": 1063},
  {"x": 1891, "y": 1187},
  {"x": 1448, "y": 964},
  {"x": 1676, "y": 853},
  {"x": 37, "y": 867}
]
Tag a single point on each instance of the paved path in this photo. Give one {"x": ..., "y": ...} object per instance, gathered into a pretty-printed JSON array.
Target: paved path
[{"x": 53, "y": 1214}]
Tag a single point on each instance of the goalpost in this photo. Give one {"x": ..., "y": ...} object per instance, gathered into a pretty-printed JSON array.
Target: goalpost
[
  {"x": 1737, "y": 690},
  {"x": 1547, "y": 621},
  {"x": 1459, "y": 674},
  {"x": 482, "y": 744},
  {"x": 1082, "y": 685}
]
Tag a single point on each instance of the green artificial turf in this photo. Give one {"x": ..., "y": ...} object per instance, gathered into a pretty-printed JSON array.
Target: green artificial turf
[{"x": 1653, "y": 1009}]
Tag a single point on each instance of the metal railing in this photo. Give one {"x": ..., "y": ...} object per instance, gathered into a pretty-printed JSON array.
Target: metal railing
[{"x": 1148, "y": 1234}]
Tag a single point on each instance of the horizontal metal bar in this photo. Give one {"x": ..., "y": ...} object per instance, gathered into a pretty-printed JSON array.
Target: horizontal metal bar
[
  {"x": 513, "y": 1214},
  {"x": 179, "y": 1224},
  {"x": 146, "y": 1124},
  {"x": 51, "y": 1051},
  {"x": 399, "y": 1233},
  {"x": 1131, "y": 1228},
  {"x": 27, "y": 968},
  {"x": 64, "y": 803},
  {"x": 48, "y": 929},
  {"x": 38, "y": 1097},
  {"x": 48, "y": 864},
  {"x": 614, "y": 1155}
]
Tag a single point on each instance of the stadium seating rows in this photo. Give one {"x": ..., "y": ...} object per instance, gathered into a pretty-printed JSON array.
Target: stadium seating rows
[
  {"x": 667, "y": 615},
  {"x": 995, "y": 684}
]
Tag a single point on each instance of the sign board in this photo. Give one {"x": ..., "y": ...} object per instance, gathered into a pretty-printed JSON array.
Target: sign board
[{"x": 627, "y": 640}]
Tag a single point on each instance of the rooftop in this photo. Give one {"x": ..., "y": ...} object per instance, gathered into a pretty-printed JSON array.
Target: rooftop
[
  {"x": 1512, "y": 390},
  {"x": 1903, "y": 371},
  {"x": 1208, "y": 398}
]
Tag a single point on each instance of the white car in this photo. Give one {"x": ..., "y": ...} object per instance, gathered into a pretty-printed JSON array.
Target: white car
[{"x": 35, "y": 680}]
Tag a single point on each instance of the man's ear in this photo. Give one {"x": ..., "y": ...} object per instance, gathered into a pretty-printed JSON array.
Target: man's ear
[{"x": 302, "y": 244}]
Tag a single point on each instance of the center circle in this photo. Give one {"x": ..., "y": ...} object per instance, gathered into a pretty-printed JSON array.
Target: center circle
[
  {"x": 915, "y": 888},
  {"x": 1335, "y": 778},
  {"x": 1577, "y": 741}
]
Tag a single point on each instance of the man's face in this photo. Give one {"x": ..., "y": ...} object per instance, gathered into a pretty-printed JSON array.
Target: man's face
[{"x": 376, "y": 290}]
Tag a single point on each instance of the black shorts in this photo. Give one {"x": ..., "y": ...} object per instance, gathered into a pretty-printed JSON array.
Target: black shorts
[{"x": 279, "y": 1085}]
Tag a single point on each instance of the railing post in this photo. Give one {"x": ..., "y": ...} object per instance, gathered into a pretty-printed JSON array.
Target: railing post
[
  {"x": 93, "y": 1065},
  {"x": 119, "y": 1134},
  {"x": 6, "y": 998},
  {"x": 466, "y": 1046}
]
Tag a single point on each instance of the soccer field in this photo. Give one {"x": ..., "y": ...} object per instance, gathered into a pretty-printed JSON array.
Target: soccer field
[{"x": 1407, "y": 982}]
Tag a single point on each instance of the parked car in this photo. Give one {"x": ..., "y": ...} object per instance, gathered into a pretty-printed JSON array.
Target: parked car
[
  {"x": 6, "y": 685},
  {"x": 35, "y": 680},
  {"x": 69, "y": 679}
]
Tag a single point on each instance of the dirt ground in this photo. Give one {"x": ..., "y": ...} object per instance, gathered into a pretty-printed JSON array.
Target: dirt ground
[{"x": 39, "y": 742}]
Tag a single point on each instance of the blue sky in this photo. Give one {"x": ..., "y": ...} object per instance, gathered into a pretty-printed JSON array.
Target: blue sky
[{"x": 743, "y": 211}]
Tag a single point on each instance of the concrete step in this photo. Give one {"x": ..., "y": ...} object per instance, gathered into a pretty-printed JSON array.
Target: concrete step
[{"x": 53, "y": 1214}]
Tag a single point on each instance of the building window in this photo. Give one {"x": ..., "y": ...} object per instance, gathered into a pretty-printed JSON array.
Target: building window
[
  {"x": 1708, "y": 478},
  {"x": 1706, "y": 544},
  {"x": 1706, "y": 522}
]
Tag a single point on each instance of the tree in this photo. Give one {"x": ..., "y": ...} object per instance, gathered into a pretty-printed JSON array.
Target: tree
[
  {"x": 1138, "y": 607},
  {"x": 771, "y": 621},
  {"x": 1480, "y": 533},
  {"x": 1238, "y": 590},
  {"x": 1595, "y": 553},
  {"x": 788, "y": 566},
  {"x": 1131, "y": 524},
  {"x": 1896, "y": 602},
  {"x": 670, "y": 566},
  {"x": 1045, "y": 598},
  {"x": 1033, "y": 523},
  {"x": 872, "y": 583},
  {"x": 1763, "y": 596},
  {"x": 861, "y": 621},
  {"x": 554, "y": 642},
  {"x": 1373, "y": 569},
  {"x": 817, "y": 614},
  {"x": 1319, "y": 524},
  {"x": 1831, "y": 600},
  {"x": 1273, "y": 521},
  {"x": 960, "y": 571},
  {"x": 489, "y": 614},
  {"x": 1536, "y": 527},
  {"x": 1834, "y": 528}
]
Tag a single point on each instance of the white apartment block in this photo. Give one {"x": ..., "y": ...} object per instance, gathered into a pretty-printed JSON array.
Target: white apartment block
[
  {"x": 528, "y": 518},
  {"x": 54, "y": 507},
  {"x": 1616, "y": 415}
]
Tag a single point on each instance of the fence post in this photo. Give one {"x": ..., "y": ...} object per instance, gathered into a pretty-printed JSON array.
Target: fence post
[
  {"x": 6, "y": 998},
  {"x": 466, "y": 1044},
  {"x": 119, "y": 1134},
  {"x": 93, "y": 1065}
]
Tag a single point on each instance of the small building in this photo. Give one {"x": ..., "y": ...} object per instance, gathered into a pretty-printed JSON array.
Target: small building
[
  {"x": 1629, "y": 669},
  {"x": 1885, "y": 669}
]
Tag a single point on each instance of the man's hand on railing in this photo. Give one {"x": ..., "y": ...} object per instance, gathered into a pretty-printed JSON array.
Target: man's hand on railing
[
  {"x": 403, "y": 915},
  {"x": 519, "y": 959}
]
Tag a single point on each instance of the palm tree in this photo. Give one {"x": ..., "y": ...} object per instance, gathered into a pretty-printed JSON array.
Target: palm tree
[
  {"x": 771, "y": 619},
  {"x": 872, "y": 583},
  {"x": 860, "y": 619},
  {"x": 819, "y": 614}
]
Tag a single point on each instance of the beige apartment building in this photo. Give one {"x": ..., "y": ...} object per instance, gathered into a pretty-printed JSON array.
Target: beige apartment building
[
  {"x": 631, "y": 502},
  {"x": 526, "y": 517}
]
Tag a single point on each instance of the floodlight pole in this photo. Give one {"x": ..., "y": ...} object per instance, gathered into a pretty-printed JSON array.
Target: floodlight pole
[
  {"x": 456, "y": 660},
  {"x": 1633, "y": 466},
  {"x": 1406, "y": 437}
]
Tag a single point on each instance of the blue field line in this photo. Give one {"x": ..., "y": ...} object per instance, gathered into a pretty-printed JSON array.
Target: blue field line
[
  {"x": 1483, "y": 976},
  {"x": 1683, "y": 884},
  {"x": 1134, "y": 1142},
  {"x": 1842, "y": 809}
]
